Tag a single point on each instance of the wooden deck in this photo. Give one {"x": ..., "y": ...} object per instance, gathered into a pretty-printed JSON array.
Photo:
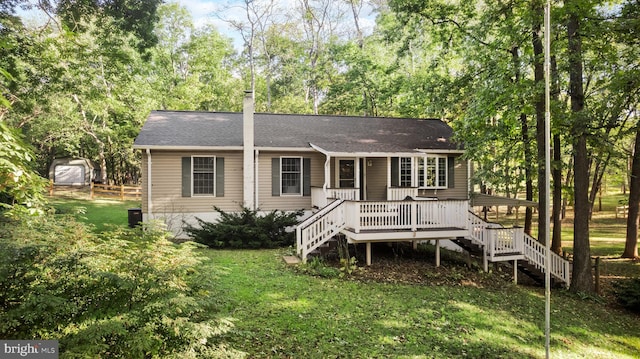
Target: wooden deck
[
  {"x": 394, "y": 221},
  {"x": 391, "y": 235}
]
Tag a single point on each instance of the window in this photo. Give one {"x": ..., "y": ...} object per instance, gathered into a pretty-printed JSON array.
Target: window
[
  {"x": 291, "y": 175},
  {"x": 405, "y": 172},
  {"x": 432, "y": 172},
  {"x": 203, "y": 175}
]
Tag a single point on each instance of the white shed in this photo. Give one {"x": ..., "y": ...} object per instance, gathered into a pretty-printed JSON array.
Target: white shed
[{"x": 71, "y": 171}]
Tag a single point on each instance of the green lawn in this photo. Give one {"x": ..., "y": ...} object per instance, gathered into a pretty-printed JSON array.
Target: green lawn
[
  {"x": 100, "y": 213},
  {"x": 280, "y": 313}
]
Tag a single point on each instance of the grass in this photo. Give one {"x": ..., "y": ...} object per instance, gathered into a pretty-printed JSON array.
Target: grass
[
  {"x": 278, "y": 312},
  {"x": 100, "y": 213}
]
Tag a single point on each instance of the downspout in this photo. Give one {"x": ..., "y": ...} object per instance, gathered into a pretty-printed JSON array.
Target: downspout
[{"x": 149, "y": 202}]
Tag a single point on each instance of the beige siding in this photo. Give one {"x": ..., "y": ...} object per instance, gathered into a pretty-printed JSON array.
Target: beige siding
[
  {"x": 376, "y": 179},
  {"x": 166, "y": 188},
  {"x": 268, "y": 202}
]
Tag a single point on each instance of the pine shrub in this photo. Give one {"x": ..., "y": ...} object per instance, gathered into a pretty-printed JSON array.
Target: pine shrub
[
  {"x": 627, "y": 293},
  {"x": 246, "y": 229}
]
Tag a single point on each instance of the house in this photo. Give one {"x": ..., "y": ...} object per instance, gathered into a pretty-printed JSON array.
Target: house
[{"x": 371, "y": 179}]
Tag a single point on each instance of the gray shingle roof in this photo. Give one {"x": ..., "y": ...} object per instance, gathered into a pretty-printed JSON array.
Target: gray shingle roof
[{"x": 177, "y": 129}]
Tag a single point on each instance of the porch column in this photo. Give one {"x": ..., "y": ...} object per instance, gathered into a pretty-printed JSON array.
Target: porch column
[
  {"x": 327, "y": 176},
  {"x": 388, "y": 172},
  {"x": 515, "y": 271},
  {"x": 437, "y": 253},
  {"x": 368, "y": 253}
]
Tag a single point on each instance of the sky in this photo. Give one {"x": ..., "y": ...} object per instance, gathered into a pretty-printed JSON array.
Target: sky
[{"x": 210, "y": 12}]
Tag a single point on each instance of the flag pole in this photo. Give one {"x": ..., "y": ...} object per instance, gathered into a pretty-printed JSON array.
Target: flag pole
[{"x": 547, "y": 176}]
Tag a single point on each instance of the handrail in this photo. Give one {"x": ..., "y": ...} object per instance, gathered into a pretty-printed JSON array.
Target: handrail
[
  {"x": 319, "y": 228},
  {"x": 535, "y": 252},
  {"x": 320, "y": 213}
]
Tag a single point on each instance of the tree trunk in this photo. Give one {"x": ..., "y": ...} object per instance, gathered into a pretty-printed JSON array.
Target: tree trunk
[
  {"x": 631, "y": 244},
  {"x": 538, "y": 73},
  {"x": 582, "y": 278},
  {"x": 556, "y": 170}
]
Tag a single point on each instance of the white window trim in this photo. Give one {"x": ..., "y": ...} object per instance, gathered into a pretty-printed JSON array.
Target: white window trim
[
  {"x": 438, "y": 174},
  {"x": 213, "y": 194},
  {"x": 301, "y": 178}
]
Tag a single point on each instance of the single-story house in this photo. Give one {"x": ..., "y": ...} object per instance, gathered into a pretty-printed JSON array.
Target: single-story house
[{"x": 369, "y": 178}]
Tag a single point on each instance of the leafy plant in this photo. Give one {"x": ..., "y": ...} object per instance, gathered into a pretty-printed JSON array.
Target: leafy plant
[
  {"x": 317, "y": 267},
  {"x": 246, "y": 229},
  {"x": 126, "y": 293},
  {"x": 347, "y": 262},
  {"x": 628, "y": 293}
]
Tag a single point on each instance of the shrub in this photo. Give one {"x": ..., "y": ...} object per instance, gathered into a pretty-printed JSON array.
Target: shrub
[
  {"x": 127, "y": 293},
  {"x": 627, "y": 293},
  {"x": 246, "y": 229}
]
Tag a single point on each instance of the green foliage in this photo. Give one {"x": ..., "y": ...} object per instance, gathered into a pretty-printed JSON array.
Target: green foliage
[
  {"x": 246, "y": 229},
  {"x": 628, "y": 293},
  {"x": 20, "y": 187},
  {"x": 128, "y": 293},
  {"x": 317, "y": 267}
]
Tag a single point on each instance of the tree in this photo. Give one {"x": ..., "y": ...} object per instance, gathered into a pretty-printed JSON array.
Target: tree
[{"x": 581, "y": 278}]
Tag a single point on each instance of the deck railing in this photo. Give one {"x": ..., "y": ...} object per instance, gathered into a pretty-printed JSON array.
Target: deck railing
[
  {"x": 503, "y": 241},
  {"x": 321, "y": 197},
  {"x": 401, "y": 193},
  {"x": 320, "y": 227},
  {"x": 406, "y": 215},
  {"x": 535, "y": 252}
]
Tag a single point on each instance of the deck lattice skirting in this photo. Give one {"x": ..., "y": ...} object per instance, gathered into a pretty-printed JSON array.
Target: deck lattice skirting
[{"x": 375, "y": 221}]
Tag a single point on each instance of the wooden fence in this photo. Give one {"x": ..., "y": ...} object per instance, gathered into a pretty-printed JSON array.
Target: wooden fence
[{"x": 120, "y": 192}]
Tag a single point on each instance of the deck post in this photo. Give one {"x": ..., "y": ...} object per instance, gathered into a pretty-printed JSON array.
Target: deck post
[
  {"x": 437, "y": 253},
  {"x": 485, "y": 261},
  {"x": 415, "y": 244},
  {"x": 368, "y": 253},
  {"x": 515, "y": 271}
]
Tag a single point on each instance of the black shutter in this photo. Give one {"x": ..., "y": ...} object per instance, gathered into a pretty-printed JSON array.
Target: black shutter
[
  {"x": 275, "y": 176},
  {"x": 219, "y": 176},
  {"x": 395, "y": 172},
  {"x": 186, "y": 176},
  {"x": 306, "y": 176},
  {"x": 451, "y": 166}
]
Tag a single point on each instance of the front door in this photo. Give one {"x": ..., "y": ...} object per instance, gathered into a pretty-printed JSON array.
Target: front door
[{"x": 346, "y": 173}]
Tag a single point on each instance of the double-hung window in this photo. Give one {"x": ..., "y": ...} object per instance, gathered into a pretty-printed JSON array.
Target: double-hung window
[
  {"x": 291, "y": 175},
  {"x": 204, "y": 175}
]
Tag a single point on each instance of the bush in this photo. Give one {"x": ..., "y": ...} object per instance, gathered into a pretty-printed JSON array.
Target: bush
[
  {"x": 627, "y": 293},
  {"x": 127, "y": 293},
  {"x": 246, "y": 229}
]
